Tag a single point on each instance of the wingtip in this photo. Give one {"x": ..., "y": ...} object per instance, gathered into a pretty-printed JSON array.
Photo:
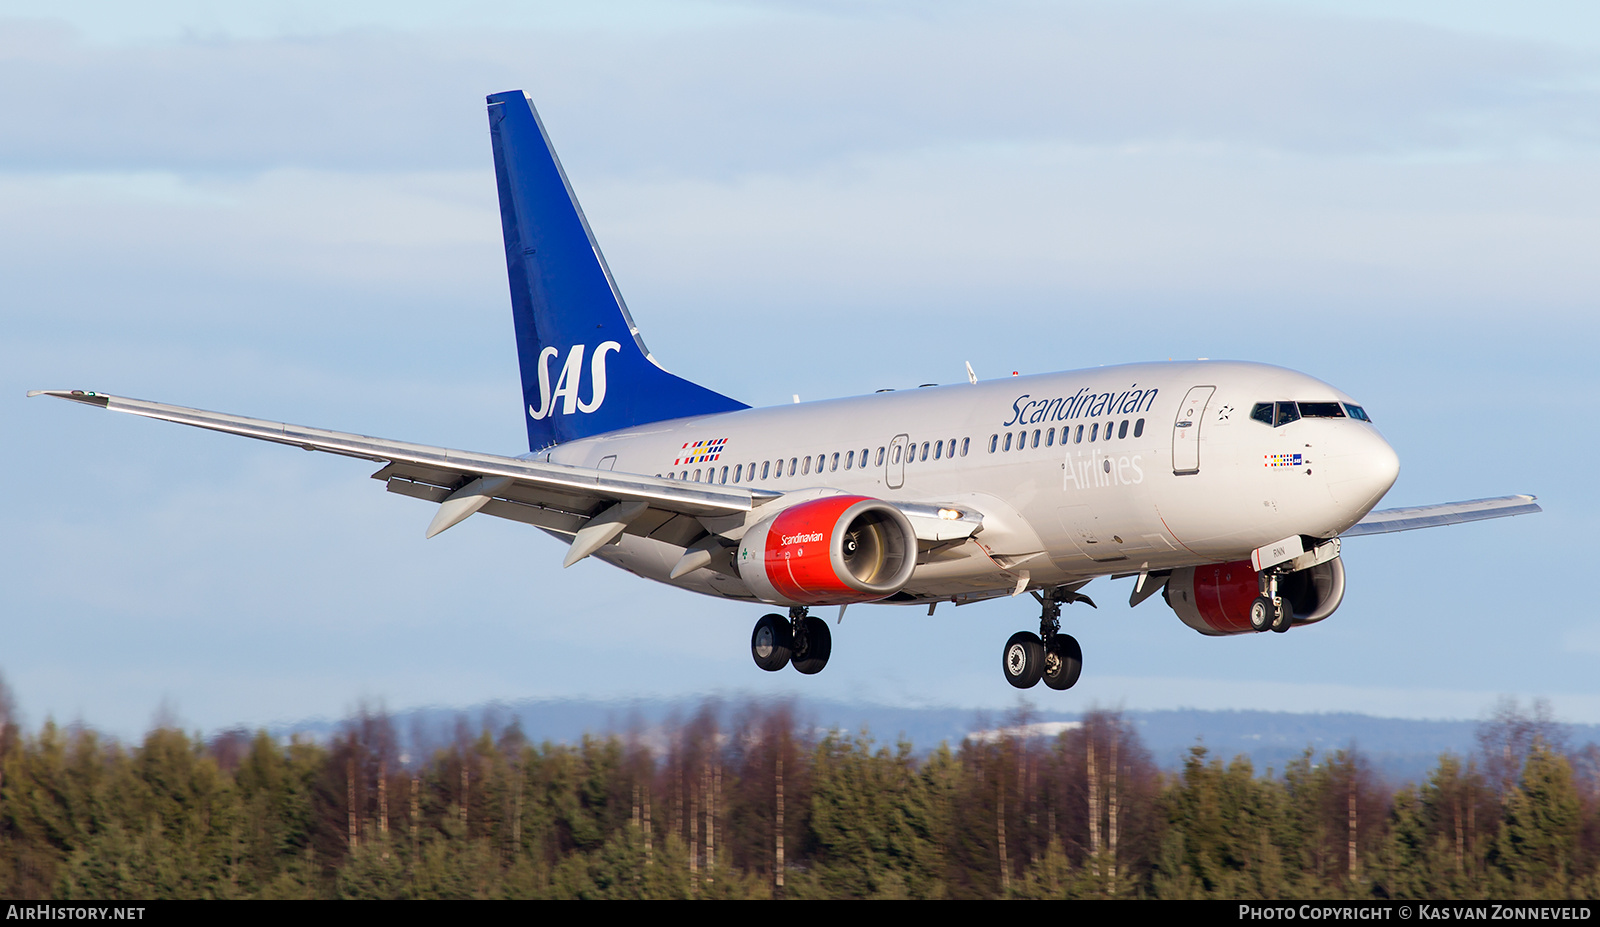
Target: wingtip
[{"x": 76, "y": 395}]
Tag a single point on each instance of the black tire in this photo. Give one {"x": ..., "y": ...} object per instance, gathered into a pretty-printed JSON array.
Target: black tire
[
  {"x": 770, "y": 643},
  {"x": 1023, "y": 659},
  {"x": 1063, "y": 662},
  {"x": 818, "y": 647},
  {"x": 1261, "y": 614},
  {"x": 1284, "y": 620}
]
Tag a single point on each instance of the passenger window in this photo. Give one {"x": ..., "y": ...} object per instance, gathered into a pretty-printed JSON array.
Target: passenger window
[
  {"x": 894, "y": 456},
  {"x": 793, "y": 463},
  {"x": 766, "y": 467},
  {"x": 1049, "y": 437},
  {"x": 685, "y": 475},
  {"x": 1262, "y": 412},
  {"x": 1036, "y": 437},
  {"x": 924, "y": 451},
  {"x": 880, "y": 456},
  {"x": 863, "y": 458},
  {"x": 994, "y": 441},
  {"x": 938, "y": 450},
  {"x": 965, "y": 443},
  {"x": 1079, "y": 438},
  {"x": 724, "y": 477},
  {"x": 738, "y": 473},
  {"x": 1008, "y": 441},
  {"x": 805, "y": 466},
  {"x": 849, "y": 459},
  {"x": 835, "y": 465},
  {"x": 1287, "y": 412},
  {"x": 697, "y": 476},
  {"x": 1138, "y": 428},
  {"x": 1122, "y": 430},
  {"x": 1094, "y": 432}
]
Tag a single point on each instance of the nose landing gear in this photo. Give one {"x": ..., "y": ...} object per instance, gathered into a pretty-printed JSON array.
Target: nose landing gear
[
  {"x": 1049, "y": 655},
  {"x": 801, "y": 639},
  {"x": 1271, "y": 611}
]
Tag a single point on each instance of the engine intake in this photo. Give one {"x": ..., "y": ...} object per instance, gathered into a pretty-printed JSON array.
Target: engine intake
[
  {"x": 831, "y": 551},
  {"x": 1215, "y": 599}
]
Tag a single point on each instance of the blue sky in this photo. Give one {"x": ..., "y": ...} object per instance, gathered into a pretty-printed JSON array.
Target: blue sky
[{"x": 288, "y": 212}]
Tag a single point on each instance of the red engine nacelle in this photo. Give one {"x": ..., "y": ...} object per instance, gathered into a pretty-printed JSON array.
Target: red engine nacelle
[
  {"x": 1215, "y": 599},
  {"x": 830, "y": 551}
]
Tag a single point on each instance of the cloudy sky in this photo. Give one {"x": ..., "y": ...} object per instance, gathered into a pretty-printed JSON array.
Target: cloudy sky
[{"x": 284, "y": 211}]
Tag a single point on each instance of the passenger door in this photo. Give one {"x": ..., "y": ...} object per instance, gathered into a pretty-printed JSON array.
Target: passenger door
[{"x": 1186, "y": 431}]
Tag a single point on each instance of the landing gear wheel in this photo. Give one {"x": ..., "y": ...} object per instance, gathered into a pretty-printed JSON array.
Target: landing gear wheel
[
  {"x": 770, "y": 643},
  {"x": 1261, "y": 614},
  {"x": 1063, "y": 662},
  {"x": 816, "y": 645},
  {"x": 1285, "y": 617},
  {"x": 1023, "y": 659}
]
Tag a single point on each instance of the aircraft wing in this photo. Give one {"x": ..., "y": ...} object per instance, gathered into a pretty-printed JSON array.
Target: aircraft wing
[
  {"x": 593, "y": 506},
  {"x": 1445, "y": 513}
]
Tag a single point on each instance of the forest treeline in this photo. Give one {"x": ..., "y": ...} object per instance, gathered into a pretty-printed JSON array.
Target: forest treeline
[{"x": 748, "y": 801}]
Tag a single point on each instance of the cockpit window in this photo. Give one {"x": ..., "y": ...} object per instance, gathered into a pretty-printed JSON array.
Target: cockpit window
[
  {"x": 1321, "y": 410},
  {"x": 1282, "y": 413}
]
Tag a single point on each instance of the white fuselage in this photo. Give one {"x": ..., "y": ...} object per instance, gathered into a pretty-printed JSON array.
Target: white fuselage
[{"x": 1186, "y": 476}]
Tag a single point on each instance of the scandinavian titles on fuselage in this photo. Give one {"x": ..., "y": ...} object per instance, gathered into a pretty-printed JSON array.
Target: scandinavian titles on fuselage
[{"x": 1026, "y": 410}]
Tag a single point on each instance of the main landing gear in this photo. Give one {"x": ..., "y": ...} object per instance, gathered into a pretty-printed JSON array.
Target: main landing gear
[
  {"x": 1049, "y": 655},
  {"x": 1271, "y": 611},
  {"x": 800, "y": 639}
]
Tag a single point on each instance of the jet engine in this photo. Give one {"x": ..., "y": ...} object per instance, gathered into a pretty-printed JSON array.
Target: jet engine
[
  {"x": 1215, "y": 599},
  {"x": 830, "y": 551}
]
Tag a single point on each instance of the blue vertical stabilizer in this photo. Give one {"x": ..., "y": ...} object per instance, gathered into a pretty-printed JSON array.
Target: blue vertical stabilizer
[{"x": 585, "y": 370}]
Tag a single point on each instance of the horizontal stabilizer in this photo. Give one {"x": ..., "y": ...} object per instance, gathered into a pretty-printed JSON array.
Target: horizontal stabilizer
[{"x": 1445, "y": 513}]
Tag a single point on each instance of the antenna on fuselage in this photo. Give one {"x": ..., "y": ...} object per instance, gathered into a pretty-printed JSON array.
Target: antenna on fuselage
[{"x": 971, "y": 377}]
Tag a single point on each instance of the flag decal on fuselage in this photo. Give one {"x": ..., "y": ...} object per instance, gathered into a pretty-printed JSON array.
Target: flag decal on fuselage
[{"x": 705, "y": 451}]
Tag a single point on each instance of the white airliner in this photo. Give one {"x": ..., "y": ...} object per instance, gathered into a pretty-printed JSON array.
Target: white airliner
[{"x": 1226, "y": 486}]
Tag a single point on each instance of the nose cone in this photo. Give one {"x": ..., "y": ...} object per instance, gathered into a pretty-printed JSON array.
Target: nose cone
[{"x": 1362, "y": 468}]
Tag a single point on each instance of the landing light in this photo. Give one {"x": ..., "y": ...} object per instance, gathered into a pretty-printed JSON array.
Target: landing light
[{"x": 950, "y": 514}]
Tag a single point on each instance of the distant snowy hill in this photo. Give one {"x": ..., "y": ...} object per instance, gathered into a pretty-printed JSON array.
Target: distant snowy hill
[{"x": 1400, "y": 750}]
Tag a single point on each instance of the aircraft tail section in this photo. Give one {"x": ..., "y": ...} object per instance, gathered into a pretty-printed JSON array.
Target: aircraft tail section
[{"x": 585, "y": 370}]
